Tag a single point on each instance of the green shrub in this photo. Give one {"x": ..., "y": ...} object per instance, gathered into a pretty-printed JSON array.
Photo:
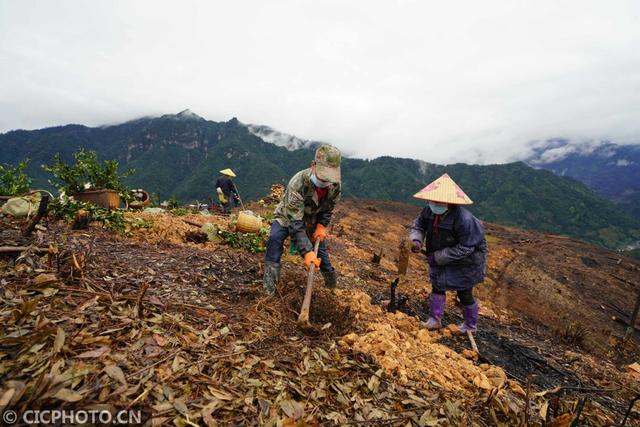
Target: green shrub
[
  {"x": 13, "y": 180},
  {"x": 181, "y": 211},
  {"x": 251, "y": 242},
  {"x": 634, "y": 253},
  {"x": 113, "y": 220},
  {"x": 172, "y": 203},
  {"x": 87, "y": 170}
]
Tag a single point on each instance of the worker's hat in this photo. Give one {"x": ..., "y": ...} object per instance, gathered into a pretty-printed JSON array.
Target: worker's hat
[
  {"x": 228, "y": 172},
  {"x": 328, "y": 160},
  {"x": 444, "y": 190}
]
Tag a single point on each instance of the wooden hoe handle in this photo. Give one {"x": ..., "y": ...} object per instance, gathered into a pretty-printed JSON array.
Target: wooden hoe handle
[{"x": 303, "y": 318}]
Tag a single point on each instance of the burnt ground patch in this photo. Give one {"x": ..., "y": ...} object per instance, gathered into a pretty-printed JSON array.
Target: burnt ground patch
[{"x": 504, "y": 348}]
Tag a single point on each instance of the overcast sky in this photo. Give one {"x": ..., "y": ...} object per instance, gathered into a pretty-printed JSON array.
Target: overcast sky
[{"x": 472, "y": 81}]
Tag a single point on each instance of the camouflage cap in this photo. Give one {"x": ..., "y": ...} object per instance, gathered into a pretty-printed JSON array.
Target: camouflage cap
[{"x": 328, "y": 160}]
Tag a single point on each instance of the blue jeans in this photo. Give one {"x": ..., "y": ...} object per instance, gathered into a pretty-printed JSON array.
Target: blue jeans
[{"x": 275, "y": 247}]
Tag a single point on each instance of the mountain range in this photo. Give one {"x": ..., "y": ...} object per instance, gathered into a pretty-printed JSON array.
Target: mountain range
[
  {"x": 180, "y": 155},
  {"x": 611, "y": 170}
]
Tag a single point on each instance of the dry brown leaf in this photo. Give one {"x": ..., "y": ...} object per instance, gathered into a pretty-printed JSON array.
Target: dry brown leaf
[
  {"x": 292, "y": 409},
  {"x": 219, "y": 394},
  {"x": 162, "y": 407},
  {"x": 178, "y": 363},
  {"x": 563, "y": 420},
  {"x": 45, "y": 279},
  {"x": 634, "y": 370},
  {"x": 543, "y": 410},
  {"x": 545, "y": 392},
  {"x": 114, "y": 372},
  {"x": 373, "y": 383},
  {"x": 428, "y": 420},
  {"x": 88, "y": 303},
  {"x": 94, "y": 353},
  {"x": 207, "y": 414},
  {"x": 68, "y": 395},
  {"x": 48, "y": 292},
  {"x": 160, "y": 340},
  {"x": 121, "y": 390},
  {"x": 104, "y": 394},
  {"x": 159, "y": 421},
  {"x": 289, "y": 422},
  {"x": 6, "y": 397},
  {"x": 59, "y": 341},
  {"x": 180, "y": 406}
]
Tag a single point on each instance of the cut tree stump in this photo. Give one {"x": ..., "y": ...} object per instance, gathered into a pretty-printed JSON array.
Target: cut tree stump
[
  {"x": 377, "y": 257},
  {"x": 42, "y": 211}
]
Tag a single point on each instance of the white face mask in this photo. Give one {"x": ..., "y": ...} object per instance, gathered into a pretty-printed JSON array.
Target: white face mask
[
  {"x": 318, "y": 183},
  {"x": 438, "y": 208}
]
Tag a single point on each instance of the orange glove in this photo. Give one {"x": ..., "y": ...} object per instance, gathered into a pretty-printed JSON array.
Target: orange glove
[
  {"x": 320, "y": 233},
  {"x": 311, "y": 258}
]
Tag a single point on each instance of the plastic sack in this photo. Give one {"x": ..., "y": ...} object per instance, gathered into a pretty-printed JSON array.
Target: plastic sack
[
  {"x": 21, "y": 207},
  {"x": 212, "y": 231},
  {"x": 154, "y": 211}
]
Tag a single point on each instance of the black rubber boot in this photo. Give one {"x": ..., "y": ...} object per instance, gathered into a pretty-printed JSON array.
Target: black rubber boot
[
  {"x": 271, "y": 277},
  {"x": 330, "y": 278}
]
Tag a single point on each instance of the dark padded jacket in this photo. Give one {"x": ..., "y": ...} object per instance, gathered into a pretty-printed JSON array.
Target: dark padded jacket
[
  {"x": 227, "y": 186},
  {"x": 458, "y": 245}
]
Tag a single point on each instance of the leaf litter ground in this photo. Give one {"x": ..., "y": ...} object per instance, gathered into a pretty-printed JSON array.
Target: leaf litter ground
[{"x": 183, "y": 332}]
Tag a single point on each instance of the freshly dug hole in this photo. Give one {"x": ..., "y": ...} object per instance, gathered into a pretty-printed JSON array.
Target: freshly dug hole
[
  {"x": 325, "y": 305},
  {"x": 326, "y": 308}
]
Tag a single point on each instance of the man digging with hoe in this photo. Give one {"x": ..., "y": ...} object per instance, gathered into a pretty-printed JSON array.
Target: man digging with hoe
[{"x": 305, "y": 210}]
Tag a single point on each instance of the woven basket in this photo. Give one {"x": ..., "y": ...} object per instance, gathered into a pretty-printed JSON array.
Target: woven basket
[
  {"x": 140, "y": 203},
  {"x": 108, "y": 199},
  {"x": 248, "y": 222}
]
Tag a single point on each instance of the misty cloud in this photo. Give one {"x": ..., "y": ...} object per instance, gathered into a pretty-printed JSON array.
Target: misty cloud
[{"x": 443, "y": 82}]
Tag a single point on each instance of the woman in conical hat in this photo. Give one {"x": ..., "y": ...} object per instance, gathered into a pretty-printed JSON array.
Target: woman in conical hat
[
  {"x": 227, "y": 191},
  {"x": 455, "y": 246}
]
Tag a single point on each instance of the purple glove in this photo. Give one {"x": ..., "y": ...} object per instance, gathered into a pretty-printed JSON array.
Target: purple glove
[
  {"x": 416, "y": 246},
  {"x": 431, "y": 259}
]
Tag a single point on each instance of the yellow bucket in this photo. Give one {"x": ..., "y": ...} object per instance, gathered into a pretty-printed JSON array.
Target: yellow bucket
[{"x": 248, "y": 222}]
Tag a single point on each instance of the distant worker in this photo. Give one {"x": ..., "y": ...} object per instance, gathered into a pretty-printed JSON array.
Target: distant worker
[
  {"x": 304, "y": 214},
  {"x": 227, "y": 192},
  {"x": 455, "y": 246}
]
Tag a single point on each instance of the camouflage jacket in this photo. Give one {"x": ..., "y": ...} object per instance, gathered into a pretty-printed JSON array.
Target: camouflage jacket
[{"x": 300, "y": 211}]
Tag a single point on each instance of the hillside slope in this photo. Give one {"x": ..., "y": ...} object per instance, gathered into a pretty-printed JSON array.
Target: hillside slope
[
  {"x": 182, "y": 331},
  {"x": 179, "y": 155}
]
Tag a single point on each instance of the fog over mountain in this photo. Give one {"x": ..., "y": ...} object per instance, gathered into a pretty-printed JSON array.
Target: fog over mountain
[{"x": 444, "y": 82}]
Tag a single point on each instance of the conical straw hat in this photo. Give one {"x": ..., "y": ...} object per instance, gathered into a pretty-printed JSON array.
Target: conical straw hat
[
  {"x": 228, "y": 172},
  {"x": 444, "y": 190}
]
